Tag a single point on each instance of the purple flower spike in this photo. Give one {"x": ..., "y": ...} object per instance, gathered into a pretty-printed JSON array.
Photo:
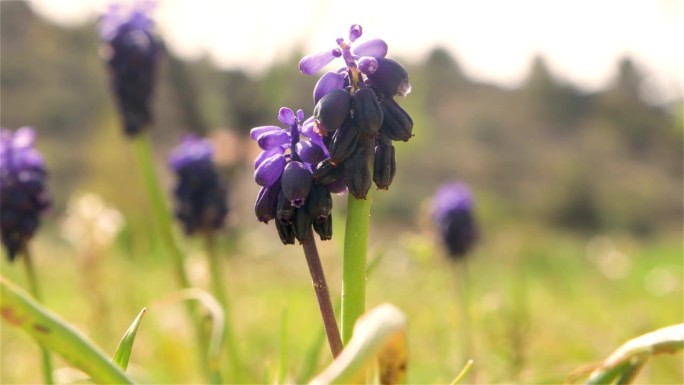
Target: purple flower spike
[
  {"x": 312, "y": 63},
  {"x": 269, "y": 170},
  {"x": 328, "y": 82},
  {"x": 373, "y": 47},
  {"x": 286, "y": 116},
  {"x": 355, "y": 32},
  {"x": 368, "y": 65},
  {"x": 192, "y": 149},
  {"x": 452, "y": 213}
]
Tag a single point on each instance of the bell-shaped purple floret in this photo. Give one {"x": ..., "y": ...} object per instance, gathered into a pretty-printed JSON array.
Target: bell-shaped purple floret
[
  {"x": 286, "y": 116},
  {"x": 273, "y": 139},
  {"x": 266, "y": 203},
  {"x": 309, "y": 152},
  {"x": 269, "y": 170},
  {"x": 312, "y": 63},
  {"x": 355, "y": 32},
  {"x": 329, "y": 81},
  {"x": 255, "y": 132},
  {"x": 296, "y": 183},
  {"x": 376, "y": 48}
]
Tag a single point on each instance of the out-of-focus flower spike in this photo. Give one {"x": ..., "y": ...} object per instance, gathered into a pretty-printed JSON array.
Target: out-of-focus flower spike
[{"x": 312, "y": 63}]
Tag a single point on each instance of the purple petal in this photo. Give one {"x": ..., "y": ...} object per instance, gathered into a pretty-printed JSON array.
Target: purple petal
[
  {"x": 368, "y": 65},
  {"x": 273, "y": 139},
  {"x": 286, "y": 116},
  {"x": 269, "y": 170},
  {"x": 373, "y": 47},
  {"x": 328, "y": 82},
  {"x": 263, "y": 155},
  {"x": 355, "y": 32},
  {"x": 315, "y": 62},
  {"x": 255, "y": 132}
]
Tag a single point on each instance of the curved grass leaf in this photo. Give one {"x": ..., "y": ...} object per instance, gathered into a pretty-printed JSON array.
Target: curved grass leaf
[
  {"x": 123, "y": 351},
  {"x": 624, "y": 364},
  {"x": 19, "y": 309},
  {"x": 379, "y": 337}
]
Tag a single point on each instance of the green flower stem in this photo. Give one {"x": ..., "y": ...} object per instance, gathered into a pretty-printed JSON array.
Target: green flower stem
[
  {"x": 217, "y": 278},
  {"x": 19, "y": 309},
  {"x": 322, "y": 293},
  {"x": 35, "y": 291},
  {"x": 162, "y": 214},
  {"x": 354, "y": 263}
]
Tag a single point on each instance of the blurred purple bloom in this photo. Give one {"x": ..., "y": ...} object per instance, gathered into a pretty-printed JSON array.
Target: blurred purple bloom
[
  {"x": 131, "y": 51},
  {"x": 452, "y": 213},
  {"x": 23, "y": 194},
  {"x": 201, "y": 194}
]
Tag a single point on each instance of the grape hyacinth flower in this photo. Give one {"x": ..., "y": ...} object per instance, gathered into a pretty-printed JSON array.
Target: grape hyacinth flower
[
  {"x": 201, "y": 195},
  {"x": 284, "y": 169},
  {"x": 452, "y": 213},
  {"x": 356, "y": 113},
  {"x": 131, "y": 51},
  {"x": 23, "y": 193}
]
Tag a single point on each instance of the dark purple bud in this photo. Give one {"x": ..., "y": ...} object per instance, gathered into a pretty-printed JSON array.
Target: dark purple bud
[
  {"x": 320, "y": 201},
  {"x": 323, "y": 227},
  {"x": 302, "y": 223},
  {"x": 396, "y": 122},
  {"x": 344, "y": 142},
  {"x": 368, "y": 113},
  {"x": 339, "y": 185},
  {"x": 357, "y": 174},
  {"x": 286, "y": 232},
  {"x": 270, "y": 170},
  {"x": 266, "y": 203},
  {"x": 328, "y": 82},
  {"x": 331, "y": 111},
  {"x": 384, "y": 166},
  {"x": 326, "y": 172},
  {"x": 309, "y": 151},
  {"x": 284, "y": 211},
  {"x": 296, "y": 183},
  {"x": 390, "y": 78}
]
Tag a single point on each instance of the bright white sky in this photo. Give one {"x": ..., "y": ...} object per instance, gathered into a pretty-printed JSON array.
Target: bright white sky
[{"x": 493, "y": 40}]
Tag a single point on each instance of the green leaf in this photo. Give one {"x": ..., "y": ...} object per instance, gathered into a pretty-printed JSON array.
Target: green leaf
[
  {"x": 123, "y": 351},
  {"x": 21, "y": 310},
  {"x": 379, "y": 337},
  {"x": 624, "y": 364}
]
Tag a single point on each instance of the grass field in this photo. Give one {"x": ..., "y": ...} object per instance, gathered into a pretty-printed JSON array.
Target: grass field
[{"x": 543, "y": 304}]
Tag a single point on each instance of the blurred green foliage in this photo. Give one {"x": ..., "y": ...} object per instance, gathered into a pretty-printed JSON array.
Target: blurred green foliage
[{"x": 554, "y": 169}]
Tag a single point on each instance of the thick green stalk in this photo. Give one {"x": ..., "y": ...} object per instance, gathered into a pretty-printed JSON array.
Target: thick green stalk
[
  {"x": 162, "y": 214},
  {"x": 46, "y": 360},
  {"x": 217, "y": 277},
  {"x": 354, "y": 263},
  {"x": 19, "y": 309}
]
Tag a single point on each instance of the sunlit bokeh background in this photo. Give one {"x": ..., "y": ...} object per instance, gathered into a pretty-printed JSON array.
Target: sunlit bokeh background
[{"x": 564, "y": 118}]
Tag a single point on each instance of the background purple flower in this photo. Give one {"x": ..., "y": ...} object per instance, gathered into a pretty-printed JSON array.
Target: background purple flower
[
  {"x": 23, "y": 194},
  {"x": 452, "y": 213}
]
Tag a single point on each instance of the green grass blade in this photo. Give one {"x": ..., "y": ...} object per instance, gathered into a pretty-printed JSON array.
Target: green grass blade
[
  {"x": 624, "y": 364},
  {"x": 123, "y": 351},
  {"x": 379, "y": 336},
  {"x": 21, "y": 310}
]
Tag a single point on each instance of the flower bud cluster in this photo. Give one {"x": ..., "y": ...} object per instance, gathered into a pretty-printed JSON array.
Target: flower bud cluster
[
  {"x": 452, "y": 213},
  {"x": 357, "y": 115},
  {"x": 284, "y": 170},
  {"x": 23, "y": 193},
  {"x": 131, "y": 51},
  {"x": 201, "y": 195}
]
